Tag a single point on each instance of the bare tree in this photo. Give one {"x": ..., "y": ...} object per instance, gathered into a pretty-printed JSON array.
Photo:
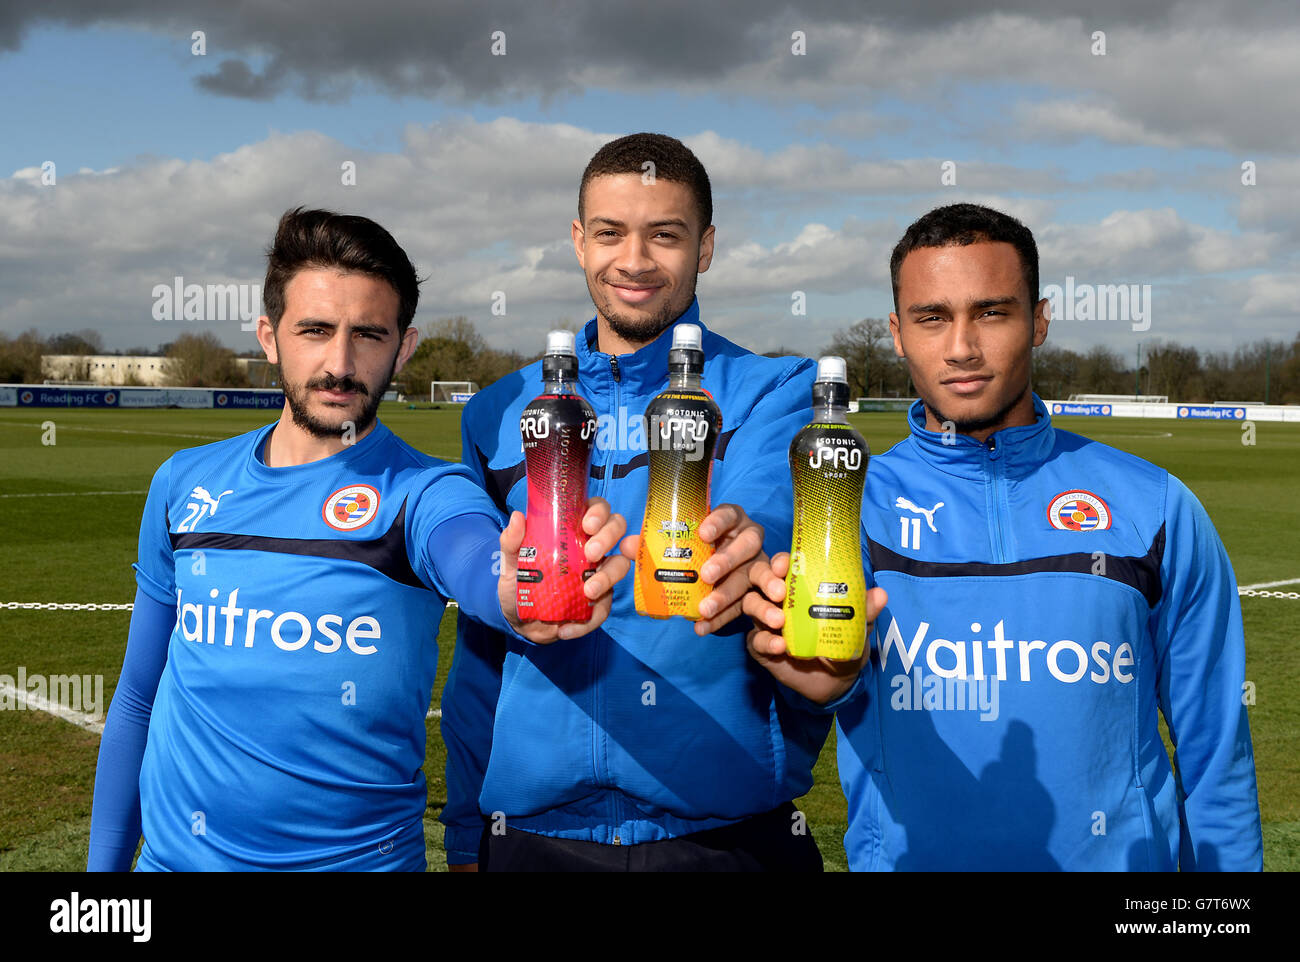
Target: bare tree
[
  {"x": 200, "y": 360},
  {"x": 867, "y": 351},
  {"x": 1288, "y": 376},
  {"x": 451, "y": 349},
  {"x": 1055, "y": 371},
  {"x": 20, "y": 358},
  {"x": 1101, "y": 371},
  {"x": 1173, "y": 370},
  {"x": 85, "y": 341}
]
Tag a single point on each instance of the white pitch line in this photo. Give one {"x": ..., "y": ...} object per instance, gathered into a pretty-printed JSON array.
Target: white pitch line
[
  {"x": 161, "y": 434},
  {"x": 1161, "y": 434},
  {"x": 35, "y": 702},
  {"x": 69, "y": 494},
  {"x": 82, "y": 720},
  {"x": 1268, "y": 584}
]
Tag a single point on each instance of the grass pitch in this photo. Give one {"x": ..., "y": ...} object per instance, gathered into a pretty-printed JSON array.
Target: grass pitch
[{"x": 63, "y": 544}]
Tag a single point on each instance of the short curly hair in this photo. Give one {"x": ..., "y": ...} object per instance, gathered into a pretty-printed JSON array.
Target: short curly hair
[
  {"x": 321, "y": 238},
  {"x": 673, "y": 161},
  {"x": 962, "y": 224}
]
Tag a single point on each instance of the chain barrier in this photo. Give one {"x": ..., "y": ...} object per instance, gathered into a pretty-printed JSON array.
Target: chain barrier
[
  {"x": 71, "y": 606},
  {"x": 61, "y": 606}
]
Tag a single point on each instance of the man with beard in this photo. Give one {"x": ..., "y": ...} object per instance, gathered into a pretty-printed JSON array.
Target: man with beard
[
  {"x": 1048, "y": 599},
  {"x": 270, "y": 711},
  {"x": 647, "y": 744}
]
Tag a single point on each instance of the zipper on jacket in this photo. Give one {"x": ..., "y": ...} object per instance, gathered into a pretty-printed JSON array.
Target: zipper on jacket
[
  {"x": 609, "y": 460},
  {"x": 995, "y": 468},
  {"x": 595, "y": 713},
  {"x": 597, "y": 736}
]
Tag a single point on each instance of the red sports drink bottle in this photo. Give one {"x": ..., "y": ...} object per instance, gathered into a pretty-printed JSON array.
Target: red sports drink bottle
[{"x": 558, "y": 430}]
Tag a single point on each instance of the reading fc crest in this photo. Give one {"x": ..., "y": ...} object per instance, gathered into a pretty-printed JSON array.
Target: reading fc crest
[
  {"x": 1078, "y": 511},
  {"x": 350, "y": 508}
]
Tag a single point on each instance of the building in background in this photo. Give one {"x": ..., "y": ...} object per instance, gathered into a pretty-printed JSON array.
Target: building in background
[{"x": 135, "y": 369}]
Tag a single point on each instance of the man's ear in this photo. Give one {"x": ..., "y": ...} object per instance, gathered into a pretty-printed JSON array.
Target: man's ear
[
  {"x": 579, "y": 238},
  {"x": 706, "y": 250},
  {"x": 1042, "y": 318},
  {"x": 894, "y": 333},
  {"x": 266, "y": 337},
  {"x": 409, "y": 339}
]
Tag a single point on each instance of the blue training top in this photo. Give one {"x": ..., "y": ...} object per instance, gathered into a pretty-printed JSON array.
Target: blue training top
[
  {"x": 1049, "y": 598},
  {"x": 641, "y": 730},
  {"x": 288, "y": 731}
]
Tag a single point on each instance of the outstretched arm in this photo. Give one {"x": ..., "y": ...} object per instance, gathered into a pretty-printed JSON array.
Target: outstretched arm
[
  {"x": 820, "y": 680},
  {"x": 115, "y": 813}
]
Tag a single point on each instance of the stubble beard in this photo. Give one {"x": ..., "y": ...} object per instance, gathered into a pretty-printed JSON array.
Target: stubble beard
[
  {"x": 297, "y": 397},
  {"x": 972, "y": 425},
  {"x": 639, "y": 330}
]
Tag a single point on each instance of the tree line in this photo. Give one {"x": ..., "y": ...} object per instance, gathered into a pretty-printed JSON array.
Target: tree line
[
  {"x": 1251, "y": 372},
  {"x": 192, "y": 360},
  {"x": 452, "y": 349}
]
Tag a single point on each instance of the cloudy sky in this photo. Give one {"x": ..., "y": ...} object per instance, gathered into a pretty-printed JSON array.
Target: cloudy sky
[{"x": 1149, "y": 144}]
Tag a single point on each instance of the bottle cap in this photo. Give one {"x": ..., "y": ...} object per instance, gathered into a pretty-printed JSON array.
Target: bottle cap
[
  {"x": 686, "y": 356},
  {"x": 561, "y": 359},
  {"x": 832, "y": 384},
  {"x": 687, "y": 337},
  {"x": 832, "y": 368},
  {"x": 560, "y": 342}
]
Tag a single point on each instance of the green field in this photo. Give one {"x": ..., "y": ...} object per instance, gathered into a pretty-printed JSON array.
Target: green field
[{"x": 65, "y": 546}]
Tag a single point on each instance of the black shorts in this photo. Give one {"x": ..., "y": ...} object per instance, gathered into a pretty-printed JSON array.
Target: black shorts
[{"x": 771, "y": 842}]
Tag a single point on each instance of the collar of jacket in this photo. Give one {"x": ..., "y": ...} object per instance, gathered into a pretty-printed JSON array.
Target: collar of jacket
[
  {"x": 1019, "y": 450},
  {"x": 645, "y": 369}
]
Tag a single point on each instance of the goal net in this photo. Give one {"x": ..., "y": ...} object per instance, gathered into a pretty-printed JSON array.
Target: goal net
[{"x": 455, "y": 392}]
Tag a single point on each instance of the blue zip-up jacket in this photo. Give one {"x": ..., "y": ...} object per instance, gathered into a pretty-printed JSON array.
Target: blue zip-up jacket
[
  {"x": 641, "y": 730},
  {"x": 1048, "y": 595}
]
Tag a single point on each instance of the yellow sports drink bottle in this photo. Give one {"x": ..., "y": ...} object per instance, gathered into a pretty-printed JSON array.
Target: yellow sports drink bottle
[
  {"x": 682, "y": 428},
  {"x": 825, "y": 589}
]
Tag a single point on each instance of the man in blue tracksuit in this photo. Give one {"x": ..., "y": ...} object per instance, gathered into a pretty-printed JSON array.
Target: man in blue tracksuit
[
  {"x": 1044, "y": 597},
  {"x": 270, "y": 712},
  {"x": 647, "y": 744}
]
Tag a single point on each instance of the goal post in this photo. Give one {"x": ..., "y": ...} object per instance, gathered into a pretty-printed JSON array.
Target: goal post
[{"x": 453, "y": 392}]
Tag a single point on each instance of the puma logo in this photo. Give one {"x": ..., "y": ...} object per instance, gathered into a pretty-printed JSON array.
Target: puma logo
[
  {"x": 203, "y": 495},
  {"x": 929, "y": 515}
]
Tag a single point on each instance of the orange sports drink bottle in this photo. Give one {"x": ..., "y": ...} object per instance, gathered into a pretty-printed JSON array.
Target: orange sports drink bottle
[
  {"x": 558, "y": 430},
  {"x": 825, "y": 589},
  {"x": 682, "y": 427}
]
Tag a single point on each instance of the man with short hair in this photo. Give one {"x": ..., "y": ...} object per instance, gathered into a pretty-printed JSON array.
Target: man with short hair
[
  {"x": 270, "y": 710},
  {"x": 1047, "y": 598},
  {"x": 648, "y": 744}
]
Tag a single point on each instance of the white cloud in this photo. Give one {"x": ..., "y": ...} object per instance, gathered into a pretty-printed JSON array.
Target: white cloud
[
  {"x": 1131, "y": 246},
  {"x": 1071, "y": 119},
  {"x": 485, "y": 206},
  {"x": 1273, "y": 295}
]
